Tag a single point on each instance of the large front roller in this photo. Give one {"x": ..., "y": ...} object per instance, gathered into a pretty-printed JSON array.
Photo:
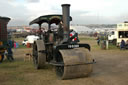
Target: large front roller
[
  {"x": 77, "y": 63},
  {"x": 39, "y": 57}
]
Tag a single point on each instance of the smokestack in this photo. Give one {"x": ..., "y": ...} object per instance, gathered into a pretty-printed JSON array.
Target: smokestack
[
  {"x": 66, "y": 21},
  {"x": 66, "y": 16}
]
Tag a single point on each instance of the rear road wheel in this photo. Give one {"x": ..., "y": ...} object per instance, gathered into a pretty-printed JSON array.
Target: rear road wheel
[{"x": 39, "y": 58}]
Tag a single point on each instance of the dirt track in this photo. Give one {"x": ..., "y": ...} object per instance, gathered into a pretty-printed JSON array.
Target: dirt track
[{"x": 110, "y": 69}]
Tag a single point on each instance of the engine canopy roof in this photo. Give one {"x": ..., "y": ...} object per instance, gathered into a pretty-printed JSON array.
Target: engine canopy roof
[{"x": 50, "y": 19}]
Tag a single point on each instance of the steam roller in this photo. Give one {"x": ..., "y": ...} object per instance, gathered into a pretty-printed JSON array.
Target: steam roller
[{"x": 59, "y": 46}]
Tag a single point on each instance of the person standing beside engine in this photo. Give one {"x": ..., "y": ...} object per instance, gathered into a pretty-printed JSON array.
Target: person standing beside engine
[{"x": 9, "y": 50}]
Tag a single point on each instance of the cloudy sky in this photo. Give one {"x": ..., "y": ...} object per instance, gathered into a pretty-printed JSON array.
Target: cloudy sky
[{"x": 22, "y": 12}]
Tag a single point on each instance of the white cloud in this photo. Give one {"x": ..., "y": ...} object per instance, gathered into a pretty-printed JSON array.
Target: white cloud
[
  {"x": 33, "y": 1},
  {"x": 82, "y": 11}
]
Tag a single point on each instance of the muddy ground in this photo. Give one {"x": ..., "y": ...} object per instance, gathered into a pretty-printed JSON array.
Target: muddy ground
[{"x": 111, "y": 68}]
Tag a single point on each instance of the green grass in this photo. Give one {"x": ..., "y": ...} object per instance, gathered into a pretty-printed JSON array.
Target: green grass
[
  {"x": 21, "y": 47},
  {"x": 21, "y": 39},
  {"x": 12, "y": 73},
  {"x": 112, "y": 46},
  {"x": 96, "y": 46},
  {"x": 86, "y": 38},
  {"x": 22, "y": 73}
]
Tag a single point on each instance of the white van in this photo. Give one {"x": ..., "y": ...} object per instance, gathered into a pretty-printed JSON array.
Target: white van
[
  {"x": 120, "y": 33},
  {"x": 30, "y": 39}
]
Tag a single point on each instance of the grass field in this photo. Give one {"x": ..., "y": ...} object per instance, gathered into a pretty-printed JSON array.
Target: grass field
[{"x": 110, "y": 69}]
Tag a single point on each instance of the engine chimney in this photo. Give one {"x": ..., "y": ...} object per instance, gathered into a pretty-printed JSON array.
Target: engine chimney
[{"x": 66, "y": 21}]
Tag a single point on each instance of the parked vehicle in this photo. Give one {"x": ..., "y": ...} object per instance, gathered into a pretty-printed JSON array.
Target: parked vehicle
[
  {"x": 121, "y": 33},
  {"x": 3, "y": 36},
  {"x": 30, "y": 39}
]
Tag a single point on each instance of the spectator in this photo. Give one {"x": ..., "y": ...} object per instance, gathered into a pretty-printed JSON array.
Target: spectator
[
  {"x": 126, "y": 44},
  {"x": 14, "y": 44},
  {"x": 122, "y": 45},
  {"x": 17, "y": 45},
  {"x": 98, "y": 40}
]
